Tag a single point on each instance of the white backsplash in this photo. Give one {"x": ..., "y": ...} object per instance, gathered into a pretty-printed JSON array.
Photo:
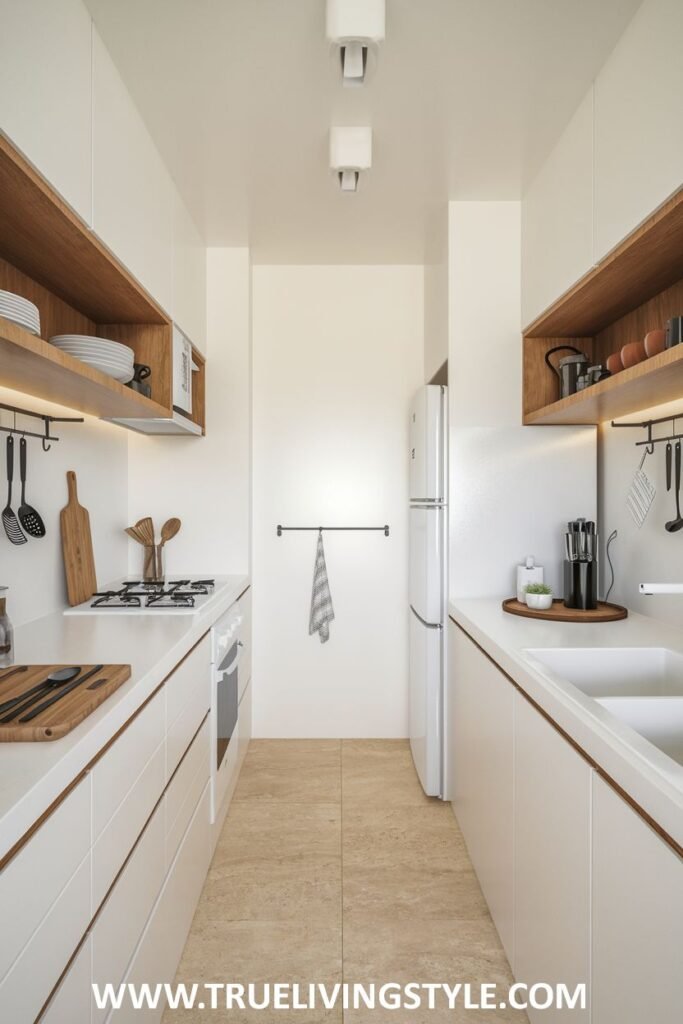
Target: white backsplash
[
  {"x": 98, "y": 452},
  {"x": 648, "y": 554}
]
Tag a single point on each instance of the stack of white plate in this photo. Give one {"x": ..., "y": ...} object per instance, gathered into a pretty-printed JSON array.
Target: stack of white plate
[
  {"x": 20, "y": 311},
  {"x": 110, "y": 357}
]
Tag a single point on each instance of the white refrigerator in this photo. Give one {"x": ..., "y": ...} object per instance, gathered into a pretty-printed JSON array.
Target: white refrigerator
[{"x": 428, "y": 584}]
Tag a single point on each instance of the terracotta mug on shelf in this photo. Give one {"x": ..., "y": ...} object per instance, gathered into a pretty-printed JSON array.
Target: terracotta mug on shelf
[
  {"x": 655, "y": 342},
  {"x": 614, "y": 363},
  {"x": 633, "y": 353}
]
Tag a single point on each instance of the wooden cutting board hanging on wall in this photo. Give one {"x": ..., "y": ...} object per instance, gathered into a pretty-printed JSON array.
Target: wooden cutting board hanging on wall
[{"x": 79, "y": 561}]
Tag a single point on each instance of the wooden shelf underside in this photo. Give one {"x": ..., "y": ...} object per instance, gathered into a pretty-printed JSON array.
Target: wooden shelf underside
[
  {"x": 651, "y": 383},
  {"x": 35, "y": 367}
]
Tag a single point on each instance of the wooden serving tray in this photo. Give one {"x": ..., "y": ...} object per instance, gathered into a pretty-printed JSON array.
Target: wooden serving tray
[
  {"x": 56, "y": 721},
  {"x": 605, "y": 612}
]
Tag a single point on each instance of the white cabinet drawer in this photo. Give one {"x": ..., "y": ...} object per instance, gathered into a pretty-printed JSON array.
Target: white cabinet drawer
[
  {"x": 159, "y": 952},
  {"x": 70, "y": 1004},
  {"x": 114, "y": 774},
  {"x": 185, "y": 789},
  {"x": 117, "y": 840},
  {"x": 33, "y": 880},
  {"x": 33, "y": 976},
  {"x": 123, "y": 917},
  {"x": 185, "y": 725},
  {"x": 190, "y": 681}
]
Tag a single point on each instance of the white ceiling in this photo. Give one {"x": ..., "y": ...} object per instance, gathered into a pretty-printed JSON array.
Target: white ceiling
[{"x": 467, "y": 98}]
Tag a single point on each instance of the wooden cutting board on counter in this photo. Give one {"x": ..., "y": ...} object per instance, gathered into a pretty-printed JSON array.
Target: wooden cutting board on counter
[
  {"x": 66, "y": 713},
  {"x": 79, "y": 561}
]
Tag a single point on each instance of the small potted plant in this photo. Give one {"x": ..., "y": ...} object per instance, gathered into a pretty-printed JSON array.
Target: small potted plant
[{"x": 539, "y": 596}]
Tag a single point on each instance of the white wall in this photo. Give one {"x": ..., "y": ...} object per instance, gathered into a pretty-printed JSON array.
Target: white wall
[
  {"x": 511, "y": 487},
  {"x": 98, "y": 453},
  {"x": 436, "y": 291},
  {"x": 648, "y": 554},
  {"x": 206, "y": 482},
  {"x": 338, "y": 353}
]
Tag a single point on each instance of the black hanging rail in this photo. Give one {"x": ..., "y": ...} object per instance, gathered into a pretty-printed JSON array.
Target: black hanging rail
[
  {"x": 46, "y": 437},
  {"x": 318, "y": 529}
]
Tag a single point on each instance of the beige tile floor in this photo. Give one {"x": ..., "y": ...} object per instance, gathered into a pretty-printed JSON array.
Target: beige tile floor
[{"x": 333, "y": 866}]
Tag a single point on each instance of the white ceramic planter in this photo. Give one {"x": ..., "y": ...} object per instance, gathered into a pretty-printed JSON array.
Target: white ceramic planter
[{"x": 540, "y": 602}]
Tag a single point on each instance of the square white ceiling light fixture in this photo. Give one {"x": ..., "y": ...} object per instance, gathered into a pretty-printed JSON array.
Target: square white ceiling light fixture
[
  {"x": 355, "y": 26},
  {"x": 350, "y": 153}
]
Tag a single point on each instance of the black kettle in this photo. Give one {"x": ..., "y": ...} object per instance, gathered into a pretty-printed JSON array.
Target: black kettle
[
  {"x": 568, "y": 369},
  {"x": 138, "y": 384}
]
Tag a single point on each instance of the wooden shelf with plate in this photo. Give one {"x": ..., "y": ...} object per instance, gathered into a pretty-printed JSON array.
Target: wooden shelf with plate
[
  {"x": 49, "y": 256},
  {"x": 636, "y": 289}
]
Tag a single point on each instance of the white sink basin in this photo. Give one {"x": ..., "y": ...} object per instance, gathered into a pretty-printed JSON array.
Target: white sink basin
[
  {"x": 616, "y": 671},
  {"x": 657, "y": 719}
]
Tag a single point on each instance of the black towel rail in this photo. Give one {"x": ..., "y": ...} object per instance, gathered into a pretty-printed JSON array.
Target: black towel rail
[{"x": 319, "y": 529}]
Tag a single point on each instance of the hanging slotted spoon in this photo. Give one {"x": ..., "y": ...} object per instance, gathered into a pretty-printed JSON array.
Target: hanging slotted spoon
[
  {"x": 28, "y": 517},
  {"x": 9, "y": 520}
]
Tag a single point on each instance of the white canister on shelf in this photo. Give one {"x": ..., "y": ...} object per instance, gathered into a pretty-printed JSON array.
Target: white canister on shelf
[{"x": 527, "y": 573}]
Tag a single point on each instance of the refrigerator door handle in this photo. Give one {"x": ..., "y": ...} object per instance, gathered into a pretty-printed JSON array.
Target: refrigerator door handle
[{"x": 429, "y": 625}]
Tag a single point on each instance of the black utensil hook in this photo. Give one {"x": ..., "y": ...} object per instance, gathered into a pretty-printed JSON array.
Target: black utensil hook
[
  {"x": 649, "y": 425},
  {"x": 46, "y": 438}
]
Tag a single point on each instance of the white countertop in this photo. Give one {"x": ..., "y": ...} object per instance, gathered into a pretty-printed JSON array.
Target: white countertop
[
  {"x": 653, "y": 780},
  {"x": 32, "y": 775}
]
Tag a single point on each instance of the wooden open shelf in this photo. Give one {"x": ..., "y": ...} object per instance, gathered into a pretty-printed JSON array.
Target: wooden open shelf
[
  {"x": 58, "y": 377},
  {"x": 637, "y": 288},
  {"x": 658, "y": 380},
  {"x": 49, "y": 256}
]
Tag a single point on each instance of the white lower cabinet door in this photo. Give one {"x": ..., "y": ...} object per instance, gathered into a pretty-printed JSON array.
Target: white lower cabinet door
[
  {"x": 480, "y": 705},
  {"x": 70, "y": 1004},
  {"x": 161, "y": 947},
  {"x": 184, "y": 790},
  {"x": 33, "y": 880},
  {"x": 552, "y": 862},
  {"x": 35, "y": 973},
  {"x": 637, "y": 917},
  {"x": 123, "y": 917},
  {"x": 118, "y": 838}
]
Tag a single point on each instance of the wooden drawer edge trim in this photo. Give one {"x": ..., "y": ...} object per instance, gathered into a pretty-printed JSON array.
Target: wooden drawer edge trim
[
  {"x": 11, "y": 853},
  {"x": 647, "y": 818}
]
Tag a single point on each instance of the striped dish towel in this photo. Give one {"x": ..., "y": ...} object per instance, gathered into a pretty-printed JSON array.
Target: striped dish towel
[{"x": 322, "y": 611}]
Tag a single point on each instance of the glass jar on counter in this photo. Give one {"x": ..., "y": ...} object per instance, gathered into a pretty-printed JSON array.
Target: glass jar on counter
[{"x": 6, "y": 631}]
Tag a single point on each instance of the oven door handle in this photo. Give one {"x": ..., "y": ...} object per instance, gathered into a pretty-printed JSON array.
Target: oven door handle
[{"x": 229, "y": 669}]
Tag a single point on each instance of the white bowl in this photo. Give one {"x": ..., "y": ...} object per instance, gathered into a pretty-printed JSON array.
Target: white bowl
[{"x": 539, "y": 602}]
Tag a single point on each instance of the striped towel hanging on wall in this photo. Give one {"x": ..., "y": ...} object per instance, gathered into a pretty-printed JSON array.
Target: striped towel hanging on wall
[{"x": 322, "y": 612}]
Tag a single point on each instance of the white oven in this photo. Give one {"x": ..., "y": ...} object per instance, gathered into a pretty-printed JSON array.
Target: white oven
[{"x": 227, "y": 650}]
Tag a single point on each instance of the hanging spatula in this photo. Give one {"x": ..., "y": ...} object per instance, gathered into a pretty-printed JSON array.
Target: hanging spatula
[
  {"x": 9, "y": 519},
  {"x": 28, "y": 517}
]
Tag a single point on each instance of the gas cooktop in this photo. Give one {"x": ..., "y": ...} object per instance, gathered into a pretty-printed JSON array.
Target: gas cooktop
[{"x": 142, "y": 596}]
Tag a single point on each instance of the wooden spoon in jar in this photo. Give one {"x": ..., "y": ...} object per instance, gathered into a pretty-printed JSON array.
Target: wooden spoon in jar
[{"x": 169, "y": 530}]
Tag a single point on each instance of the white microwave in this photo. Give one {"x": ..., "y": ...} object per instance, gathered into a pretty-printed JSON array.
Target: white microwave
[{"x": 182, "y": 372}]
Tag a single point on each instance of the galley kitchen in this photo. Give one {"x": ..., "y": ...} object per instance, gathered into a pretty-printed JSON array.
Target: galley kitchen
[{"x": 341, "y": 559}]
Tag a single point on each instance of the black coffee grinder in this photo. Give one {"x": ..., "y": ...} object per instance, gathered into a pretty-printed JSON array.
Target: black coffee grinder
[{"x": 581, "y": 565}]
